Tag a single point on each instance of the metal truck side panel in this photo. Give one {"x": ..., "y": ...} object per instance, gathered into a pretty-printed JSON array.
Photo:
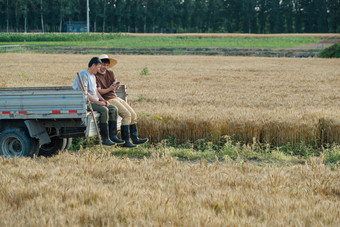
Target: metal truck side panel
[{"x": 42, "y": 102}]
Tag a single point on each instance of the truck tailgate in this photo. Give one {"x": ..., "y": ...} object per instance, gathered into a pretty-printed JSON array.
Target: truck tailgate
[{"x": 42, "y": 103}]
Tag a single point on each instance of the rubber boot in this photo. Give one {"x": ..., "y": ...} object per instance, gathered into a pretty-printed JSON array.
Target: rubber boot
[
  {"x": 125, "y": 131},
  {"x": 113, "y": 133},
  {"x": 134, "y": 135},
  {"x": 104, "y": 132}
]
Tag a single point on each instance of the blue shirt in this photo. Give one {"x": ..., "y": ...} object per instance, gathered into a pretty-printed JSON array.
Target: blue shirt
[{"x": 89, "y": 82}]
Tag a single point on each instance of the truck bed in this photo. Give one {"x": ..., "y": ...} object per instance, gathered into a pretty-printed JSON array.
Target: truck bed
[
  {"x": 42, "y": 103},
  {"x": 60, "y": 102}
]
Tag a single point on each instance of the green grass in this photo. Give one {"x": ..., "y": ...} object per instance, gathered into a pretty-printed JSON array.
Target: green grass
[
  {"x": 130, "y": 42},
  {"x": 331, "y": 52},
  {"x": 226, "y": 151},
  {"x": 56, "y": 37}
]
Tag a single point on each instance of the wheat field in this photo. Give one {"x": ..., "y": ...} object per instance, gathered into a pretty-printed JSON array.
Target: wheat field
[
  {"x": 92, "y": 189},
  {"x": 190, "y": 97},
  {"x": 275, "y": 100}
]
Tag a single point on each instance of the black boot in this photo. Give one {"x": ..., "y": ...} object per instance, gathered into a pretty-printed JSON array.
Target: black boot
[
  {"x": 125, "y": 131},
  {"x": 104, "y": 132},
  {"x": 134, "y": 135},
  {"x": 113, "y": 133}
]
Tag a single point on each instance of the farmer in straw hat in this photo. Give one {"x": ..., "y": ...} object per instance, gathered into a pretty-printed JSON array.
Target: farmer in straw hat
[{"x": 107, "y": 84}]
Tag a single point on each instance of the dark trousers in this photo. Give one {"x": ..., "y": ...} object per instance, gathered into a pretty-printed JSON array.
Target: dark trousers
[{"x": 106, "y": 113}]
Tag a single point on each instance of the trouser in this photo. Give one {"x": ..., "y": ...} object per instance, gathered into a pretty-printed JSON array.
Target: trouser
[
  {"x": 128, "y": 115},
  {"x": 106, "y": 113}
]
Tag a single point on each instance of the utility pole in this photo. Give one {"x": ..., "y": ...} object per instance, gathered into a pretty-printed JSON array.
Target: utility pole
[
  {"x": 7, "y": 24},
  {"x": 88, "y": 16}
]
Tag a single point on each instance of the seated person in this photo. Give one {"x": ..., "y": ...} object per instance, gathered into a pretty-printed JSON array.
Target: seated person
[
  {"x": 107, "y": 84},
  {"x": 107, "y": 112}
]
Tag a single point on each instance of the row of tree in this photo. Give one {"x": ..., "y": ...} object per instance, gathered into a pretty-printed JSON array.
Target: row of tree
[{"x": 246, "y": 16}]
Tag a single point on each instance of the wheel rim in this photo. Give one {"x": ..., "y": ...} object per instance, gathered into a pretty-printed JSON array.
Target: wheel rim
[{"x": 12, "y": 147}]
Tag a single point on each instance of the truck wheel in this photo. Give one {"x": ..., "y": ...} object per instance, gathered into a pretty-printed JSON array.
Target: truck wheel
[
  {"x": 68, "y": 143},
  {"x": 16, "y": 142},
  {"x": 57, "y": 144}
]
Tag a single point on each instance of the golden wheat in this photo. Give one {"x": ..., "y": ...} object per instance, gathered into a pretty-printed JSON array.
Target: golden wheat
[
  {"x": 276, "y": 100},
  {"x": 92, "y": 189}
]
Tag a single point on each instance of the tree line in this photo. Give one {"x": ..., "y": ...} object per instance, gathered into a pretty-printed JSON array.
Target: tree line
[{"x": 169, "y": 16}]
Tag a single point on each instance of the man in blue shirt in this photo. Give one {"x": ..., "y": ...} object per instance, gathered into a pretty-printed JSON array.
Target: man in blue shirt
[{"x": 107, "y": 111}]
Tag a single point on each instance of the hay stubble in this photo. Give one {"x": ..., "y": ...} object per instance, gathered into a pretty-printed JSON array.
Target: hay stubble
[{"x": 92, "y": 189}]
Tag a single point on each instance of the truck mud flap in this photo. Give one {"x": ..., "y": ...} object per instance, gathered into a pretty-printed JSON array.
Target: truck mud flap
[{"x": 36, "y": 130}]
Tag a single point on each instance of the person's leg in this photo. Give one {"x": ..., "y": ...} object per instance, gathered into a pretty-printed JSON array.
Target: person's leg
[
  {"x": 113, "y": 115},
  {"x": 134, "y": 135},
  {"x": 103, "y": 123},
  {"x": 133, "y": 124},
  {"x": 126, "y": 118},
  {"x": 133, "y": 115},
  {"x": 104, "y": 112},
  {"x": 122, "y": 110}
]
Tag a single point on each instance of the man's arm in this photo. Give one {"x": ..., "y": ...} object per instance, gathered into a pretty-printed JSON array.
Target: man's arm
[
  {"x": 111, "y": 88},
  {"x": 102, "y": 99},
  {"x": 104, "y": 91},
  {"x": 95, "y": 101},
  {"x": 92, "y": 99}
]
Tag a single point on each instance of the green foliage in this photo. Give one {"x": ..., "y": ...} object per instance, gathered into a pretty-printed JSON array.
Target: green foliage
[
  {"x": 171, "y": 141},
  {"x": 23, "y": 75},
  {"x": 332, "y": 155},
  {"x": 245, "y": 16},
  {"x": 300, "y": 149},
  {"x": 129, "y": 42},
  {"x": 141, "y": 98},
  {"x": 57, "y": 37},
  {"x": 144, "y": 72},
  {"x": 80, "y": 142},
  {"x": 331, "y": 52},
  {"x": 224, "y": 150}
]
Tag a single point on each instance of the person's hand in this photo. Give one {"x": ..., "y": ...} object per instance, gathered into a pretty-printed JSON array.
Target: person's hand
[
  {"x": 107, "y": 104},
  {"x": 113, "y": 87},
  {"x": 101, "y": 103}
]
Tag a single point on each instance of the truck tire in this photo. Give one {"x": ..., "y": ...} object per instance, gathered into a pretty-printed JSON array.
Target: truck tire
[
  {"x": 15, "y": 142},
  {"x": 68, "y": 143},
  {"x": 57, "y": 144}
]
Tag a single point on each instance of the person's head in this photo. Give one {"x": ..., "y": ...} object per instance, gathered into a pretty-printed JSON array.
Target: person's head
[
  {"x": 94, "y": 64},
  {"x": 106, "y": 62}
]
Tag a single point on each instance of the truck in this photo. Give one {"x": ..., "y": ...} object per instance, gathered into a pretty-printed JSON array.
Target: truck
[{"x": 43, "y": 120}]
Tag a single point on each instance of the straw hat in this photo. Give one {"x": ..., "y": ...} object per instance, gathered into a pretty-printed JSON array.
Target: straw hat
[{"x": 113, "y": 62}]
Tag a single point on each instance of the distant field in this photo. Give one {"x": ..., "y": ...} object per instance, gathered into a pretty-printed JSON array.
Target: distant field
[
  {"x": 274, "y": 100},
  {"x": 240, "y": 35},
  {"x": 163, "y": 40}
]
